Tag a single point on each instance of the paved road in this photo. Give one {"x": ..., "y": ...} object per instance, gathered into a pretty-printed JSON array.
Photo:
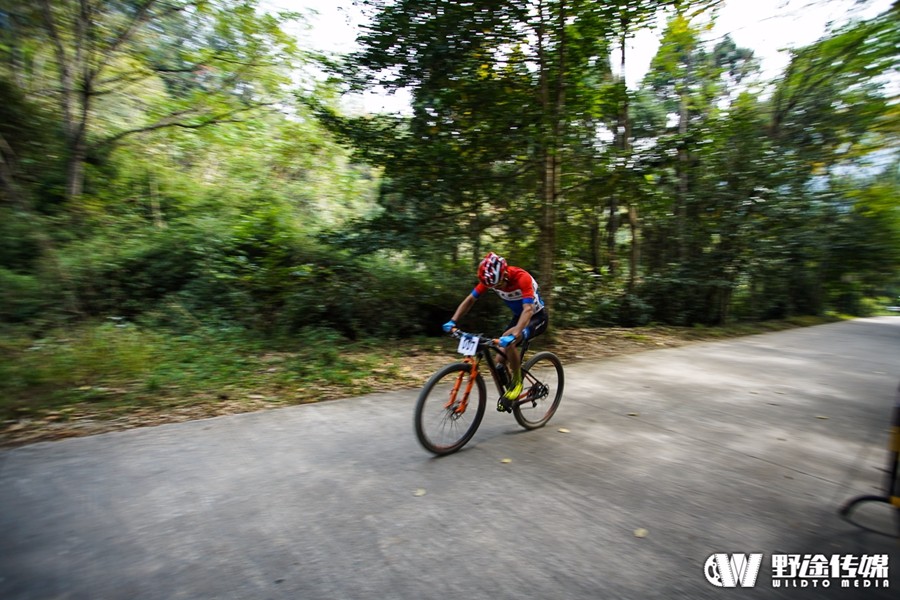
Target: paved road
[{"x": 742, "y": 446}]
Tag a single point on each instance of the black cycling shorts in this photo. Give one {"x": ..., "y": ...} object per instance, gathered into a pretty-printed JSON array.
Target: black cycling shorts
[{"x": 535, "y": 327}]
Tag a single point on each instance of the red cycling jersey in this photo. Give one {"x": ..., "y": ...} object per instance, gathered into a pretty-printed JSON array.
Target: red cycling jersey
[{"x": 520, "y": 289}]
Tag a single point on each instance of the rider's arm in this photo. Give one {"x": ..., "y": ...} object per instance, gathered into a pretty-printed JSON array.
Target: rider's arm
[
  {"x": 464, "y": 307},
  {"x": 524, "y": 319}
]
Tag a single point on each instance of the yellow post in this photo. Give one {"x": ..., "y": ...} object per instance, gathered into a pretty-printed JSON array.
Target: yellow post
[{"x": 892, "y": 483}]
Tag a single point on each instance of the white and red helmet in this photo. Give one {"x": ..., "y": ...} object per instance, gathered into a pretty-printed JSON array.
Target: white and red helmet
[{"x": 492, "y": 269}]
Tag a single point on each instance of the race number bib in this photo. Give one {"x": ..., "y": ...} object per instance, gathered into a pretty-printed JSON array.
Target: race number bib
[{"x": 468, "y": 345}]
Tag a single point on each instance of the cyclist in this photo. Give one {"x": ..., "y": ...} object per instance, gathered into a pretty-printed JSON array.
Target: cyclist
[{"x": 519, "y": 291}]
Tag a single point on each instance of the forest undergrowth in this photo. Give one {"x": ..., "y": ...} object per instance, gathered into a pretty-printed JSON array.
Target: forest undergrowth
[{"x": 96, "y": 379}]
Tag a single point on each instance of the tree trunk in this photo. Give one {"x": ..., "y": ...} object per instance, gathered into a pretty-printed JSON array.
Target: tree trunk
[
  {"x": 553, "y": 105},
  {"x": 547, "y": 244},
  {"x": 83, "y": 49},
  {"x": 594, "y": 221},
  {"x": 682, "y": 179},
  {"x": 635, "y": 257},
  {"x": 75, "y": 169},
  {"x": 612, "y": 230},
  {"x": 72, "y": 65},
  {"x": 76, "y": 128},
  {"x": 624, "y": 131}
]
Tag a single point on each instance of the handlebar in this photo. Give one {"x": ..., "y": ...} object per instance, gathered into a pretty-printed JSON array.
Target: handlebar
[{"x": 457, "y": 333}]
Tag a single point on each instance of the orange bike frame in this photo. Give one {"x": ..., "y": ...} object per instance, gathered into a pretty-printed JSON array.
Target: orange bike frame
[{"x": 473, "y": 374}]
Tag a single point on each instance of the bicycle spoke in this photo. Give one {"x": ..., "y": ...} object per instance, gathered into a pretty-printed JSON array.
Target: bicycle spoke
[
  {"x": 449, "y": 409},
  {"x": 542, "y": 391}
]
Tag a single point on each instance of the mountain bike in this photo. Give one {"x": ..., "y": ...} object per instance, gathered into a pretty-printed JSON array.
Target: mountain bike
[{"x": 452, "y": 403}]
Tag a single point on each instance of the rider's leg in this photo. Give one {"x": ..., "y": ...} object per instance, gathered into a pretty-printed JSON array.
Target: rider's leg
[
  {"x": 514, "y": 359},
  {"x": 514, "y": 355},
  {"x": 502, "y": 361}
]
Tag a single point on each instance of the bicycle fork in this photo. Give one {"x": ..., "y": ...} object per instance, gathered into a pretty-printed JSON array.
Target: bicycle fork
[{"x": 458, "y": 407}]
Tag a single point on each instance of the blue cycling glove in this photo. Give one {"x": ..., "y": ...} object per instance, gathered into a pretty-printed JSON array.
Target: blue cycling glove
[
  {"x": 449, "y": 325},
  {"x": 506, "y": 340}
]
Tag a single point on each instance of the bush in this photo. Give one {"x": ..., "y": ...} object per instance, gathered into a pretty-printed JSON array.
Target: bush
[
  {"x": 583, "y": 298},
  {"x": 22, "y": 297},
  {"x": 369, "y": 296},
  {"x": 19, "y": 247},
  {"x": 634, "y": 311},
  {"x": 119, "y": 274},
  {"x": 258, "y": 271},
  {"x": 869, "y": 307}
]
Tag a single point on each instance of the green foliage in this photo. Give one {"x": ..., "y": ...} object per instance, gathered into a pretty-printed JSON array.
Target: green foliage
[
  {"x": 119, "y": 367},
  {"x": 19, "y": 245},
  {"x": 236, "y": 232},
  {"x": 582, "y": 299},
  {"x": 213, "y": 199},
  {"x": 22, "y": 297},
  {"x": 260, "y": 270}
]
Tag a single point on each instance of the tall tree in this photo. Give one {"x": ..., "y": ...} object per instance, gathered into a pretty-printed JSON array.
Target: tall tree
[
  {"x": 703, "y": 136},
  {"x": 830, "y": 112},
  {"x": 218, "y": 60},
  {"x": 505, "y": 76}
]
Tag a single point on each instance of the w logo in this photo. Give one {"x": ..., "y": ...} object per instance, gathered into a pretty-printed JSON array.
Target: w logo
[{"x": 731, "y": 571}]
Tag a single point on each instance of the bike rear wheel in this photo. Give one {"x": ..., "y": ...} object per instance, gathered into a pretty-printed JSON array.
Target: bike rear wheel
[
  {"x": 450, "y": 409},
  {"x": 543, "y": 382}
]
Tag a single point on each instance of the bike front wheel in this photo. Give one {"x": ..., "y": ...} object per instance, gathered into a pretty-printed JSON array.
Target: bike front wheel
[
  {"x": 450, "y": 409},
  {"x": 543, "y": 382}
]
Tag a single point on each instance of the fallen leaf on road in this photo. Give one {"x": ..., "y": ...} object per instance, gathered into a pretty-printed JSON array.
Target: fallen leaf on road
[
  {"x": 640, "y": 532},
  {"x": 506, "y": 461},
  {"x": 822, "y": 417},
  {"x": 419, "y": 492},
  {"x": 563, "y": 430}
]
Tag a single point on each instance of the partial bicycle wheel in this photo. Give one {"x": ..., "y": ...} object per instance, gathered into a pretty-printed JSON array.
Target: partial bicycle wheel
[
  {"x": 449, "y": 409},
  {"x": 543, "y": 380}
]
